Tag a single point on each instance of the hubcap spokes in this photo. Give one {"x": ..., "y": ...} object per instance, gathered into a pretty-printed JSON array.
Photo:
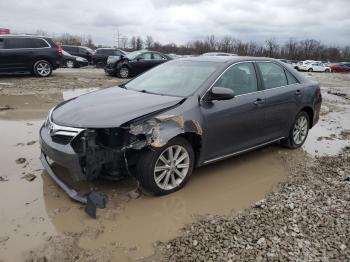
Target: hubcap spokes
[
  {"x": 171, "y": 167},
  {"x": 43, "y": 69},
  {"x": 300, "y": 130}
]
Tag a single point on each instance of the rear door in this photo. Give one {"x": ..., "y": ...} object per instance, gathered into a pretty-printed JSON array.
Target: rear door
[
  {"x": 2, "y": 55},
  {"x": 16, "y": 54},
  {"x": 283, "y": 95},
  {"x": 236, "y": 124}
]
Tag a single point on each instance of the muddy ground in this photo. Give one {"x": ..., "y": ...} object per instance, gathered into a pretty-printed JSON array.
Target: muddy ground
[{"x": 273, "y": 203}]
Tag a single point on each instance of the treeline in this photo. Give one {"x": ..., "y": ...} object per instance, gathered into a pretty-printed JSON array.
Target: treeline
[{"x": 291, "y": 49}]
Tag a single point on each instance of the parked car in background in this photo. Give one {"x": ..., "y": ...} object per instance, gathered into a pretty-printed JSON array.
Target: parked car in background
[
  {"x": 29, "y": 54},
  {"x": 217, "y": 54},
  {"x": 72, "y": 61},
  {"x": 179, "y": 115},
  {"x": 81, "y": 51},
  {"x": 100, "y": 56},
  {"x": 134, "y": 63},
  {"x": 343, "y": 67},
  {"x": 174, "y": 56},
  {"x": 315, "y": 67}
]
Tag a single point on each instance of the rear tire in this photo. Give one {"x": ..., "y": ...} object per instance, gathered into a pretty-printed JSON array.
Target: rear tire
[
  {"x": 100, "y": 64},
  {"x": 310, "y": 70},
  {"x": 298, "y": 132},
  {"x": 42, "y": 68},
  {"x": 162, "y": 172},
  {"x": 328, "y": 71}
]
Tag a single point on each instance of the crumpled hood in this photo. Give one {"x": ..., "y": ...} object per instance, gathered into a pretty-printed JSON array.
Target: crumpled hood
[{"x": 109, "y": 107}]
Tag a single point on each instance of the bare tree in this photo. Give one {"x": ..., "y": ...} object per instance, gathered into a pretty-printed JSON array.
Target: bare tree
[
  {"x": 133, "y": 43},
  {"x": 272, "y": 47},
  {"x": 149, "y": 42},
  {"x": 139, "y": 43}
]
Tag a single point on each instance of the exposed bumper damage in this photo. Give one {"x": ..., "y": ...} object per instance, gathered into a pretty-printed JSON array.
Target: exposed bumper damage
[{"x": 109, "y": 152}]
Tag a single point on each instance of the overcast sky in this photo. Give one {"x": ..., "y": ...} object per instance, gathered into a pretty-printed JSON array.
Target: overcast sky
[{"x": 179, "y": 21}]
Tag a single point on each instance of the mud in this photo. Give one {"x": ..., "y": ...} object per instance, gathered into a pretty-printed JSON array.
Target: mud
[{"x": 38, "y": 220}]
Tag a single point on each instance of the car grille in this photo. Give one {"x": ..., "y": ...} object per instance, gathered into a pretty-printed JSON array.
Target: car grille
[{"x": 61, "y": 134}]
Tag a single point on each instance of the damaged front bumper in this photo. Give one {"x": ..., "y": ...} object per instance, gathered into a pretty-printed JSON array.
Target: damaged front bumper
[
  {"x": 69, "y": 191},
  {"x": 63, "y": 155}
]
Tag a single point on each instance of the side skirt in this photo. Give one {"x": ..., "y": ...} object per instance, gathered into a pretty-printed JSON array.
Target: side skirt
[{"x": 240, "y": 152}]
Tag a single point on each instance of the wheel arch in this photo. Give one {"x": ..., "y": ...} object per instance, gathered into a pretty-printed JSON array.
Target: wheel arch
[
  {"x": 196, "y": 142},
  {"x": 310, "y": 113},
  {"x": 46, "y": 58}
]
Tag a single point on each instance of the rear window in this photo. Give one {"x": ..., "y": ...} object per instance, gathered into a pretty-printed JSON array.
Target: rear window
[
  {"x": 39, "y": 43},
  {"x": 273, "y": 75},
  {"x": 70, "y": 49}
]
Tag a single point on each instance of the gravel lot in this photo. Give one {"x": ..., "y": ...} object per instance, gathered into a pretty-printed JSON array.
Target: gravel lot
[{"x": 271, "y": 204}]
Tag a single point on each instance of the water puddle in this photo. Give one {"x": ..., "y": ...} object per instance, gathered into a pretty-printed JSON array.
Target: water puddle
[
  {"x": 127, "y": 228},
  {"x": 325, "y": 138}
]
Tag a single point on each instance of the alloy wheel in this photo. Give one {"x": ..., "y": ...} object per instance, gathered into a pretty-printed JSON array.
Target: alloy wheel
[
  {"x": 43, "y": 69},
  {"x": 300, "y": 130},
  {"x": 171, "y": 167}
]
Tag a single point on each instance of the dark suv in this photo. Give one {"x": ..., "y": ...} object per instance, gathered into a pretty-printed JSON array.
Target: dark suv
[
  {"x": 36, "y": 54},
  {"x": 82, "y": 51},
  {"x": 101, "y": 55}
]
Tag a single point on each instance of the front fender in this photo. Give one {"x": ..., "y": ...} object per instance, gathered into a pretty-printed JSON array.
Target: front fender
[{"x": 160, "y": 129}]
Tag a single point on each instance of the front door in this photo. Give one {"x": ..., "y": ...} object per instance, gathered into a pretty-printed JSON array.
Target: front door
[
  {"x": 141, "y": 63},
  {"x": 236, "y": 124}
]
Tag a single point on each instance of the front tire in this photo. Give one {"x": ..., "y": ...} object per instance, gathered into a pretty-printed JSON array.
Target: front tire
[
  {"x": 167, "y": 169},
  {"x": 124, "y": 72},
  {"x": 298, "y": 132},
  {"x": 42, "y": 68},
  {"x": 310, "y": 70}
]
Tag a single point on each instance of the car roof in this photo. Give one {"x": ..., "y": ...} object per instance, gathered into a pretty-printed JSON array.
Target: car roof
[
  {"x": 226, "y": 59},
  {"x": 107, "y": 48},
  {"x": 24, "y": 36}
]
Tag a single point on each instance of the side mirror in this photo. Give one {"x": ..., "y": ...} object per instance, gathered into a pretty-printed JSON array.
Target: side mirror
[{"x": 220, "y": 93}]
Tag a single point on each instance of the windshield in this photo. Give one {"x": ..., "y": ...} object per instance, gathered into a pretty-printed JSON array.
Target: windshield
[
  {"x": 65, "y": 53},
  {"x": 134, "y": 54},
  {"x": 175, "y": 78}
]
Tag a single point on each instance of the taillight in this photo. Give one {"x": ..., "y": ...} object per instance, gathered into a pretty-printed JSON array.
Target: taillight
[{"x": 60, "y": 51}]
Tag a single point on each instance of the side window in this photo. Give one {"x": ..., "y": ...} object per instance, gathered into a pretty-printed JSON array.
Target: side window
[
  {"x": 2, "y": 43},
  {"x": 39, "y": 43},
  {"x": 13, "y": 43},
  {"x": 116, "y": 52},
  {"x": 82, "y": 50},
  {"x": 157, "y": 56},
  {"x": 273, "y": 75},
  {"x": 241, "y": 78},
  {"x": 291, "y": 79},
  {"x": 145, "y": 56}
]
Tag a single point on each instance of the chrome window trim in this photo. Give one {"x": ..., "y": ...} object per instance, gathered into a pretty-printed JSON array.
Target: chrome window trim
[
  {"x": 26, "y": 48},
  {"x": 241, "y": 151},
  {"x": 249, "y": 61}
]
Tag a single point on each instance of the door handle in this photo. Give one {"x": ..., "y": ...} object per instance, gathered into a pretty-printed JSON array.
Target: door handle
[
  {"x": 259, "y": 101},
  {"x": 298, "y": 92}
]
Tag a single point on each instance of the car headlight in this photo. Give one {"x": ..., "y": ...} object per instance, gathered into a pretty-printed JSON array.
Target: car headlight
[{"x": 80, "y": 59}]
